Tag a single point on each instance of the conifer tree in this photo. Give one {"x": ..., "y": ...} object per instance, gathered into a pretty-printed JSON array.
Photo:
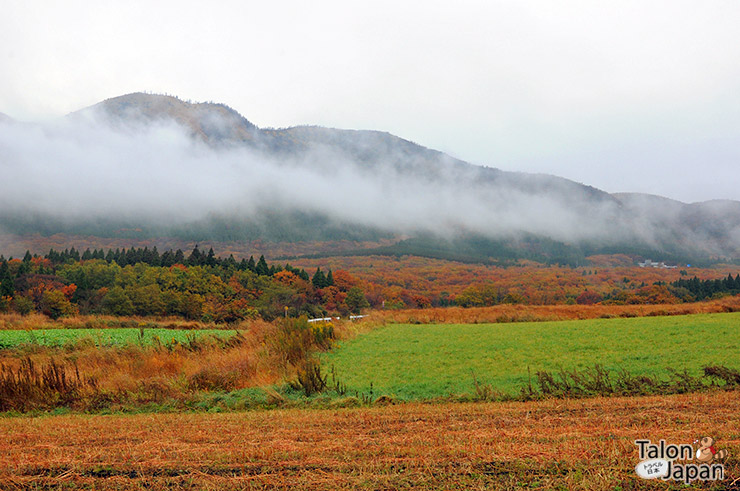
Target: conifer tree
[
  {"x": 7, "y": 288},
  {"x": 195, "y": 258},
  {"x": 179, "y": 257},
  {"x": 262, "y": 268},
  {"x": 211, "y": 258},
  {"x": 319, "y": 279}
]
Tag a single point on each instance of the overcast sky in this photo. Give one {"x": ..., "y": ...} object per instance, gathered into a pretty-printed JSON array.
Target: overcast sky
[{"x": 625, "y": 95}]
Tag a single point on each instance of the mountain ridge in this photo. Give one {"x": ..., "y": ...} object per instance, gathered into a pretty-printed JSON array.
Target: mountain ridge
[{"x": 504, "y": 211}]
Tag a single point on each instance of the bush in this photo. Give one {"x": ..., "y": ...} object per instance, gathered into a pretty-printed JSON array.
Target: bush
[
  {"x": 296, "y": 338},
  {"x": 55, "y": 304},
  {"x": 23, "y": 305}
]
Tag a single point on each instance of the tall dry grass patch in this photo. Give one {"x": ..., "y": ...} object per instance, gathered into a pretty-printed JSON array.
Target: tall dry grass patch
[
  {"x": 536, "y": 313},
  {"x": 142, "y": 373}
]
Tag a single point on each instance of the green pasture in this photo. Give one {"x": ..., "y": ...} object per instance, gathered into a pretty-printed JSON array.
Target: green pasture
[
  {"x": 103, "y": 337},
  {"x": 427, "y": 361}
]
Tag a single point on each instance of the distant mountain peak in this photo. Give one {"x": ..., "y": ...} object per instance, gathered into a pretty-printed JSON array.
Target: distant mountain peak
[{"x": 211, "y": 122}]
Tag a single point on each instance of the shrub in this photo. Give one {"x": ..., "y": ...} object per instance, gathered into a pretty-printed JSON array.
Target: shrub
[
  {"x": 296, "y": 338},
  {"x": 23, "y": 305}
]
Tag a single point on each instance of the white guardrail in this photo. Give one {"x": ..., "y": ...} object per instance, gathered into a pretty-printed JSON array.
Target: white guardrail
[{"x": 329, "y": 319}]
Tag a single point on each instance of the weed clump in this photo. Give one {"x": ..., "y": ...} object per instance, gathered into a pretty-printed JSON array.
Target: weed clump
[
  {"x": 53, "y": 384},
  {"x": 599, "y": 381},
  {"x": 310, "y": 378}
]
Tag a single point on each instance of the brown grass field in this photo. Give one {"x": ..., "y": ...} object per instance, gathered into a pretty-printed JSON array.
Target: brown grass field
[
  {"x": 536, "y": 313},
  {"x": 552, "y": 444}
]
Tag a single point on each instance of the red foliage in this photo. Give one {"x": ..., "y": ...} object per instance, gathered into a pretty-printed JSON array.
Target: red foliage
[{"x": 588, "y": 298}]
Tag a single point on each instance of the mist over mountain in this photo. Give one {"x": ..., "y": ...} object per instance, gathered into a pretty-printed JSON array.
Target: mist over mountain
[{"x": 155, "y": 165}]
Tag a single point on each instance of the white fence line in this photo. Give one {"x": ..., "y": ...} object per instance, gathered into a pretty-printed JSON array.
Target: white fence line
[{"x": 329, "y": 319}]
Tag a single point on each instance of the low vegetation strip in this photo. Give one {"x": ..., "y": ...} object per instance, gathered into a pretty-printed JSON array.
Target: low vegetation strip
[
  {"x": 553, "y": 444},
  {"x": 104, "y": 337},
  {"x": 417, "y": 362}
]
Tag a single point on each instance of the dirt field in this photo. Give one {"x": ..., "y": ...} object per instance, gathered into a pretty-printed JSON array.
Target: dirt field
[{"x": 555, "y": 444}]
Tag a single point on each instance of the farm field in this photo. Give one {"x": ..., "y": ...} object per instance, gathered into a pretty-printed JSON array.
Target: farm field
[
  {"x": 416, "y": 362},
  {"x": 552, "y": 444},
  {"x": 104, "y": 337}
]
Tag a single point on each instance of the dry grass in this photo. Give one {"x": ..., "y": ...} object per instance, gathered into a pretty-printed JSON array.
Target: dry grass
[
  {"x": 554, "y": 444},
  {"x": 529, "y": 313},
  {"x": 160, "y": 373},
  {"x": 175, "y": 374}
]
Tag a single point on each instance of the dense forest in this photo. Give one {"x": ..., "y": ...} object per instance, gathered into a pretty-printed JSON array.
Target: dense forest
[
  {"x": 703, "y": 289},
  {"x": 198, "y": 286}
]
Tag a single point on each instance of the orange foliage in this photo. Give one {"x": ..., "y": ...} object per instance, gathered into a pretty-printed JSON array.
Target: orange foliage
[
  {"x": 398, "y": 280},
  {"x": 286, "y": 277},
  {"x": 344, "y": 280}
]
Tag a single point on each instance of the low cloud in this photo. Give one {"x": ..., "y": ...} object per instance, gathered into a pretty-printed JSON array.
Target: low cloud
[{"x": 82, "y": 168}]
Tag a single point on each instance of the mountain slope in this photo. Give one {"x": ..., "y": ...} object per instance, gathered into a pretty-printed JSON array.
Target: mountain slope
[{"x": 154, "y": 165}]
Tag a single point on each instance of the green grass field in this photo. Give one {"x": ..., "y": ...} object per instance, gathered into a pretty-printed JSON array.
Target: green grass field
[
  {"x": 103, "y": 337},
  {"x": 427, "y": 361}
]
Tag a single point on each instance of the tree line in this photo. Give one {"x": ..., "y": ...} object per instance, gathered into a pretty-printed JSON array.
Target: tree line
[
  {"x": 703, "y": 289},
  {"x": 200, "y": 286}
]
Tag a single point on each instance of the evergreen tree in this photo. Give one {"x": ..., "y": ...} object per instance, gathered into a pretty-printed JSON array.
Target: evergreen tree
[
  {"x": 167, "y": 259},
  {"x": 330, "y": 279},
  {"x": 53, "y": 256},
  {"x": 196, "y": 257},
  {"x": 7, "y": 288},
  {"x": 211, "y": 258},
  {"x": 230, "y": 262},
  {"x": 319, "y": 279},
  {"x": 251, "y": 265},
  {"x": 24, "y": 268},
  {"x": 179, "y": 257},
  {"x": 135, "y": 256},
  {"x": 155, "y": 259},
  {"x": 262, "y": 268}
]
